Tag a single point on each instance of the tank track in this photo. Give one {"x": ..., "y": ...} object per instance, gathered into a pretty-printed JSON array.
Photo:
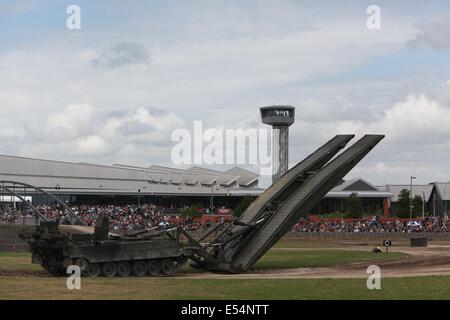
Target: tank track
[{"x": 139, "y": 268}]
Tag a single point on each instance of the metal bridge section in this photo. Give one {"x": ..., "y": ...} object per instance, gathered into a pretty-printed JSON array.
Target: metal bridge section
[
  {"x": 17, "y": 195},
  {"x": 280, "y": 207},
  {"x": 279, "y": 191},
  {"x": 20, "y": 189}
]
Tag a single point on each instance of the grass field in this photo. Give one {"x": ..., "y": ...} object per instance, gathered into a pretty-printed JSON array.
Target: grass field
[
  {"x": 283, "y": 258},
  {"x": 38, "y": 285},
  {"x": 18, "y": 261},
  {"x": 279, "y": 257},
  {"x": 225, "y": 289}
]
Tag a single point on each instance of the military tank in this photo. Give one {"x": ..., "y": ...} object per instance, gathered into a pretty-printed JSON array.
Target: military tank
[{"x": 98, "y": 252}]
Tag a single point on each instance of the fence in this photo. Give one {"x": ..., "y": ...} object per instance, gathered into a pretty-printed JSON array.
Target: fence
[
  {"x": 365, "y": 235},
  {"x": 9, "y": 239}
]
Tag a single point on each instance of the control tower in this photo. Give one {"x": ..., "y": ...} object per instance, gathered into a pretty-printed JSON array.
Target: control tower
[{"x": 280, "y": 118}]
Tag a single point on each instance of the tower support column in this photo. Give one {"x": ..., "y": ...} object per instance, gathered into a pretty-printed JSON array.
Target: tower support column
[{"x": 280, "y": 152}]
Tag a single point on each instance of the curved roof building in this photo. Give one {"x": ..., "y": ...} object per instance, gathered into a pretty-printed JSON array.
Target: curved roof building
[{"x": 86, "y": 178}]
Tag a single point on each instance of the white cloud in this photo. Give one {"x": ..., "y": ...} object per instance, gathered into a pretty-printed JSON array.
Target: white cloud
[
  {"x": 434, "y": 32},
  {"x": 91, "y": 145},
  {"x": 417, "y": 139},
  {"x": 417, "y": 120},
  {"x": 80, "y": 133},
  {"x": 143, "y": 126},
  {"x": 73, "y": 121},
  {"x": 121, "y": 54},
  {"x": 218, "y": 65}
]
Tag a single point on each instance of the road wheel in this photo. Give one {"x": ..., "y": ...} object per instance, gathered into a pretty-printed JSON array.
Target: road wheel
[
  {"x": 123, "y": 269},
  {"x": 109, "y": 269},
  {"x": 168, "y": 267},
  {"x": 154, "y": 268},
  {"x": 139, "y": 268},
  {"x": 93, "y": 270},
  {"x": 82, "y": 263}
]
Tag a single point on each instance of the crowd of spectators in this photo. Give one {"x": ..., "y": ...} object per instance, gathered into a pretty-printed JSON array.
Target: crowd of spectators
[
  {"x": 134, "y": 218},
  {"x": 131, "y": 218},
  {"x": 126, "y": 218},
  {"x": 373, "y": 224},
  {"x": 8, "y": 216}
]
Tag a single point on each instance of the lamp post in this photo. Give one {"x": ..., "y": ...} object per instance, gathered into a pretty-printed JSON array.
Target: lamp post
[
  {"x": 211, "y": 202},
  {"x": 410, "y": 197},
  {"x": 57, "y": 188},
  {"x": 139, "y": 199},
  {"x": 423, "y": 205}
]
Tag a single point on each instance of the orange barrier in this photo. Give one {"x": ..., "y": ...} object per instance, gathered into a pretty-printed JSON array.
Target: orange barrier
[
  {"x": 316, "y": 218},
  {"x": 215, "y": 218}
]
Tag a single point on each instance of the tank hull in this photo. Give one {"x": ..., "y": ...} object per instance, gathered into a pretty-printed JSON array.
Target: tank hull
[
  {"x": 112, "y": 250},
  {"x": 120, "y": 256}
]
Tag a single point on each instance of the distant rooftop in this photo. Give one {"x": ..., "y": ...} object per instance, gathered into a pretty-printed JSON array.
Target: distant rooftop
[{"x": 417, "y": 190}]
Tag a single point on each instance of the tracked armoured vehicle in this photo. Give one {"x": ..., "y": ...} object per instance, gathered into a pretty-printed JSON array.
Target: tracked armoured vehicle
[
  {"x": 100, "y": 253},
  {"x": 236, "y": 248}
]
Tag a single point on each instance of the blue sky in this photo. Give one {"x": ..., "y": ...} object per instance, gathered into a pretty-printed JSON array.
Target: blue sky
[{"x": 155, "y": 66}]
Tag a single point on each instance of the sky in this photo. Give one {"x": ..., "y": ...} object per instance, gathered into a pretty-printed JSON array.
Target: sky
[{"x": 115, "y": 90}]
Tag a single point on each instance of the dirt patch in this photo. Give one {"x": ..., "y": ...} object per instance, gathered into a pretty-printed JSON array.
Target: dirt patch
[
  {"x": 8, "y": 273},
  {"x": 432, "y": 260}
]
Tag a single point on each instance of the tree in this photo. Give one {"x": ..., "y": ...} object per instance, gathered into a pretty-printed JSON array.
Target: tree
[
  {"x": 242, "y": 206},
  {"x": 417, "y": 203},
  {"x": 193, "y": 211},
  {"x": 403, "y": 204},
  {"x": 354, "y": 208}
]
